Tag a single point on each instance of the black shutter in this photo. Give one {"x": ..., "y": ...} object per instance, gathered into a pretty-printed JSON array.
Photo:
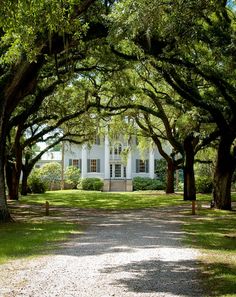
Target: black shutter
[
  {"x": 137, "y": 165},
  {"x": 98, "y": 165},
  {"x": 147, "y": 166},
  {"x": 70, "y": 162},
  {"x": 155, "y": 164},
  {"x": 88, "y": 165},
  {"x": 80, "y": 164}
]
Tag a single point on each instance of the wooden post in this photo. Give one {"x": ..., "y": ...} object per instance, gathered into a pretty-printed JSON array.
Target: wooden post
[
  {"x": 47, "y": 208},
  {"x": 193, "y": 207}
]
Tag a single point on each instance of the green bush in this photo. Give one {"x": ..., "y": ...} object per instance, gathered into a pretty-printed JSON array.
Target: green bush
[
  {"x": 35, "y": 183},
  {"x": 72, "y": 176},
  {"x": 146, "y": 183},
  {"x": 92, "y": 184},
  {"x": 161, "y": 170},
  {"x": 51, "y": 174},
  {"x": 203, "y": 184}
]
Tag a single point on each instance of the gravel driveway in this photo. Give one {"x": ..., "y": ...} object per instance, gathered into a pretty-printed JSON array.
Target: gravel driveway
[{"x": 126, "y": 254}]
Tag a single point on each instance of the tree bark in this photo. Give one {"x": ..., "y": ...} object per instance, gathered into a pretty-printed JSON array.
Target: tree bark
[
  {"x": 225, "y": 166},
  {"x": 13, "y": 180},
  {"x": 189, "y": 180},
  {"x": 170, "y": 182},
  {"x": 4, "y": 211},
  {"x": 24, "y": 184}
]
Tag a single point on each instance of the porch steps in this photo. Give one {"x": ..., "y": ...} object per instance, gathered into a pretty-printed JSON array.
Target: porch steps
[{"x": 117, "y": 185}]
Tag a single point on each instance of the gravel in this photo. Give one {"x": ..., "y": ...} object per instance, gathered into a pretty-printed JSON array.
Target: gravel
[{"x": 127, "y": 254}]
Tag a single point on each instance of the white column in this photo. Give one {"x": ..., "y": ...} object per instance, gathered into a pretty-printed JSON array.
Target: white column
[
  {"x": 129, "y": 166},
  {"x": 151, "y": 163},
  {"x": 84, "y": 161},
  {"x": 106, "y": 159}
]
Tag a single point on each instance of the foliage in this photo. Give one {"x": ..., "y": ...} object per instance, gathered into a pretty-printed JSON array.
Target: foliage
[
  {"x": 146, "y": 183},
  {"x": 161, "y": 170},
  {"x": 50, "y": 173},
  {"x": 204, "y": 184},
  {"x": 92, "y": 184},
  {"x": 35, "y": 183},
  {"x": 72, "y": 176}
]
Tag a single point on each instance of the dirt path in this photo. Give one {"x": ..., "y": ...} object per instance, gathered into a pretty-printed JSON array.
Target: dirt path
[{"x": 124, "y": 254}]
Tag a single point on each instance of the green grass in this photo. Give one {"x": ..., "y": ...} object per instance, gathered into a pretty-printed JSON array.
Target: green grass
[
  {"x": 33, "y": 238},
  {"x": 214, "y": 232},
  {"x": 100, "y": 200},
  {"x": 110, "y": 201}
]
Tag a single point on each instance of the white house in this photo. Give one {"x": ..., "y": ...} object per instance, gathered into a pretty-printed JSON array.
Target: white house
[{"x": 116, "y": 162}]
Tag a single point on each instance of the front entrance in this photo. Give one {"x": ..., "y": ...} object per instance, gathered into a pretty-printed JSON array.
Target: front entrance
[{"x": 117, "y": 171}]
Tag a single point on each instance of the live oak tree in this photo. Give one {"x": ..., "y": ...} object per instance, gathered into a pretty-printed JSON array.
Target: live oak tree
[
  {"x": 192, "y": 45},
  {"x": 48, "y": 124},
  {"x": 31, "y": 33}
]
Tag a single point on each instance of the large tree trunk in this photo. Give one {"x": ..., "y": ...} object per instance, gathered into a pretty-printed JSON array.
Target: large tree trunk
[
  {"x": 189, "y": 180},
  {"x": 224, "y": 170},
  {"x": 4, "y": 211},
  {"x": 13, "y": 180},
  {"x": 170, "y": 181},
  {"x": 24, "y": 184}
]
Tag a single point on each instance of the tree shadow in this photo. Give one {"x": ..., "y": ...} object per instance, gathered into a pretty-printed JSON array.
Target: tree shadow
[{"x": 180, "y": 278}]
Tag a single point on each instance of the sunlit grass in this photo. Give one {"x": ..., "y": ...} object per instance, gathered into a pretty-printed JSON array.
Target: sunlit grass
[
  {"x": 213, "y": 231},
  {"x": 101, "y": 200},
  {"x": 33, "y": 238}
]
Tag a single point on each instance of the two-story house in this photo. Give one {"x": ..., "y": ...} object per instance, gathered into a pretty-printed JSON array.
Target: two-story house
[{"x": 116, "y": 162}]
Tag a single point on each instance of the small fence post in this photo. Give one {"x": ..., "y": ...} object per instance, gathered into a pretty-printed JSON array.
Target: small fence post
[
  {"x": 193, "y": 207},
  {"x": 47, "y": 208}
]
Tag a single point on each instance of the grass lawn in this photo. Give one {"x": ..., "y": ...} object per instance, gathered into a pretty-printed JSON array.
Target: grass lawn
[
  {"x": 214, "y": 233},
  {"x": 110, "y": 201},
  {"x": 23, "y": 239}
]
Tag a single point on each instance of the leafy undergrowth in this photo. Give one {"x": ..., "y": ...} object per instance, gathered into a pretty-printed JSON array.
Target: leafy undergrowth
[{"x": 213, "y": 231}]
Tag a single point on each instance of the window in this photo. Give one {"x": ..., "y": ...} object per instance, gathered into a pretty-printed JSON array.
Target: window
[
  {"x": 97, "y": 140},
  {"x": 124, "y": 171},
  {"x": 93, "y": 165},
  {"x": 142, "y": 166},
  {"x": 110, "y": 170},
  {"x": 118, "y": 149},
  {"x": 117, "y": 170},
  {"x": 75, "y": 163}
]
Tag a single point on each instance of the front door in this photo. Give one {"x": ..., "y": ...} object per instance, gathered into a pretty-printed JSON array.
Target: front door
[{"x": 117, "y": 171}]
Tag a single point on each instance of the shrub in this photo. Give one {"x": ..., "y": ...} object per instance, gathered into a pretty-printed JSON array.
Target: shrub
[
  {"x": 161, "y": 169},
  {"x": 72, "y": 176},
  {"x": 51, "y": 173},
  {"x": 146, "y": 183},
  {"x": 92, "y": 184},
  {"x": 203, "y": 184},
  {"x": 35, "y": 183}
]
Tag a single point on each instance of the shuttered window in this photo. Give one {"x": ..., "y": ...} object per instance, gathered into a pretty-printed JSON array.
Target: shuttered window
[
  {"x": 75, "y": 163},
  {"x": 142, "y": 166},
  {"x": 93, "y": 165}
]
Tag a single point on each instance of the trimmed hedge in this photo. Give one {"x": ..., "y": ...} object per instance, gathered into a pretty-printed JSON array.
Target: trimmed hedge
[
  {"x": 91, "y": 184},
  {"x": 146, "y": 183}
]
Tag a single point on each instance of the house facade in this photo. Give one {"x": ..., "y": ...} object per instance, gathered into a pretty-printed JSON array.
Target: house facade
[{"x": 116, "y": 162}]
